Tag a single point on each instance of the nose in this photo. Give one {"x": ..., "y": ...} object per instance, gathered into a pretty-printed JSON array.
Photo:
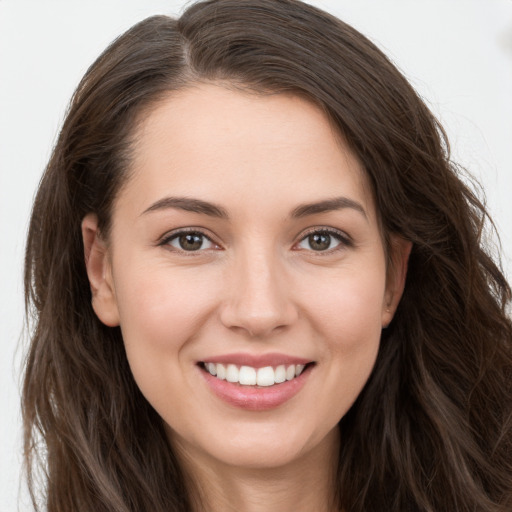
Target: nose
[{"x": 259, "y": 298}]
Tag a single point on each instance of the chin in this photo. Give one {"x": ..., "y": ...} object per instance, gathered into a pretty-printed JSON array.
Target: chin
[{"x": 258, "y": 448}]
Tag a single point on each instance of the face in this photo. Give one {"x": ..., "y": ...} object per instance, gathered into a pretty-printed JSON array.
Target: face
[{"x": 245, "y": 244}]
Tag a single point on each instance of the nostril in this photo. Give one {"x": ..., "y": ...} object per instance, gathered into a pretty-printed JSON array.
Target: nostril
[{"x": 259, "y": 309}]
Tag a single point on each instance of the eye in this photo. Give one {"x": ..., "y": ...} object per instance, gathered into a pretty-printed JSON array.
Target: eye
[
  {"x": 323, "y": 240},
  {"x": 189, "y": 241}
]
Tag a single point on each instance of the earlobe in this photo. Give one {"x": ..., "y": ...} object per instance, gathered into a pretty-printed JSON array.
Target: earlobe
[
  {"x": 97, "y": 263},
  {"x": 396, "y": 277}
]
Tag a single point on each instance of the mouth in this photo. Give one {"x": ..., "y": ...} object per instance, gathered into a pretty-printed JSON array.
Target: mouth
[
  {"x": 255, "y": 382},
  {"x": 264, "y": 377}
]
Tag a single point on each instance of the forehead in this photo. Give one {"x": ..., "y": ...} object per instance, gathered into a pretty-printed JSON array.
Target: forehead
[{"x": 211, "y": 139}]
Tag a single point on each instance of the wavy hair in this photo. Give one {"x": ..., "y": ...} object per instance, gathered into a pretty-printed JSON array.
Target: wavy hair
[{"x": 432, "y": 429}]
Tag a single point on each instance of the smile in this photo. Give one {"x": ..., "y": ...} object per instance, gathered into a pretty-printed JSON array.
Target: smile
[
  {"x": 250, "y": 376},
  {"x": 256, "y": 382}
]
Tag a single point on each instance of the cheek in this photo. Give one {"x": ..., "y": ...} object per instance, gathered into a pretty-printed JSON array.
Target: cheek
[
  {"x": 160, "y": 309},
  {"x": 349, "y": 309},
  {"x": 160, "y": 315},
  {"x": 347, "y": 318}
]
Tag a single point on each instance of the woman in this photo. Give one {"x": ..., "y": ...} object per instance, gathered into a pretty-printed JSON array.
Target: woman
[{"x": 259, "y": 282}]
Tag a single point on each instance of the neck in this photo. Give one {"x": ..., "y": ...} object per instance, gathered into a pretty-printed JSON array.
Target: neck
[{"x": 307, "y": 483}]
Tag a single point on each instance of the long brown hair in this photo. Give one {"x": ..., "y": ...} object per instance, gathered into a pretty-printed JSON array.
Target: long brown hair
[{"x": 432, "y": 429}]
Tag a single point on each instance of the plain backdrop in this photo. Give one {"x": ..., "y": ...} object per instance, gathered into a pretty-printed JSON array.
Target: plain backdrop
[{"x": 457, "y": 54}]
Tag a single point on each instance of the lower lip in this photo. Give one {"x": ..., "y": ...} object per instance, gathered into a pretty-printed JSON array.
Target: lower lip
[{"x": 253, "y": 398}]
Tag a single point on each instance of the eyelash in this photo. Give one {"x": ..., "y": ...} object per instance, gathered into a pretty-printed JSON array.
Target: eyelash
[
  {"x": 167, "y": 239},
  {"x": 343, "y": 239}
]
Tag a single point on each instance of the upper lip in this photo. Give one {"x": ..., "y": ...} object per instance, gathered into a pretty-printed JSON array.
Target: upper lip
[{"x": 257, "y": 360}]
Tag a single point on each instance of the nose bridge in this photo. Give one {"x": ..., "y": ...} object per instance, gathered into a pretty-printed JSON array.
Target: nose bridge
[{"x": 258, "y": 300}]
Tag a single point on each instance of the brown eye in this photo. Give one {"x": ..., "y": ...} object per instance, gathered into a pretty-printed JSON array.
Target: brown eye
[
  {"x": 190, "y": 242},
  {"x": 321, "y": 241}
]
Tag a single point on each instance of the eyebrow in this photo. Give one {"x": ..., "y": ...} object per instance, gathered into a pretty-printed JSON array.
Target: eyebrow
[
  {"x": 190, "y": 204},
  {"x": 329, "y": 205}
]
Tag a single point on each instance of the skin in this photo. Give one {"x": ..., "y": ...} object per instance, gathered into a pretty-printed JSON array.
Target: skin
[{"x": 255, "y": 286}]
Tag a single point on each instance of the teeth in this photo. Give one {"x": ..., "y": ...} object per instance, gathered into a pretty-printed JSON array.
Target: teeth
[
  {"x": 248, "y": 376},
  {"x": 266, "y": 376},
  {"x": 221, "y": 371},
  {"x": 280, "y": 374},
  {"x": 232, "y": 373}
]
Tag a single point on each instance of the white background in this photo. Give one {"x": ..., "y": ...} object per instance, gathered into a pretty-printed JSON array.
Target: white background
[{"x": 457, "y": 53}]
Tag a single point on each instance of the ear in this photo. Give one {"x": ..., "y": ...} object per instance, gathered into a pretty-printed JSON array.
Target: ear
[
  {"x": 99, "y": 271},
  {"x": 400, "y": 249}
]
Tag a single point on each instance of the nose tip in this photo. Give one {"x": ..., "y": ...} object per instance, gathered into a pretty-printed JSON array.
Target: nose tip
[
  {"x": 257, "y": 324},
  {"x": 258, "y": 302}
]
